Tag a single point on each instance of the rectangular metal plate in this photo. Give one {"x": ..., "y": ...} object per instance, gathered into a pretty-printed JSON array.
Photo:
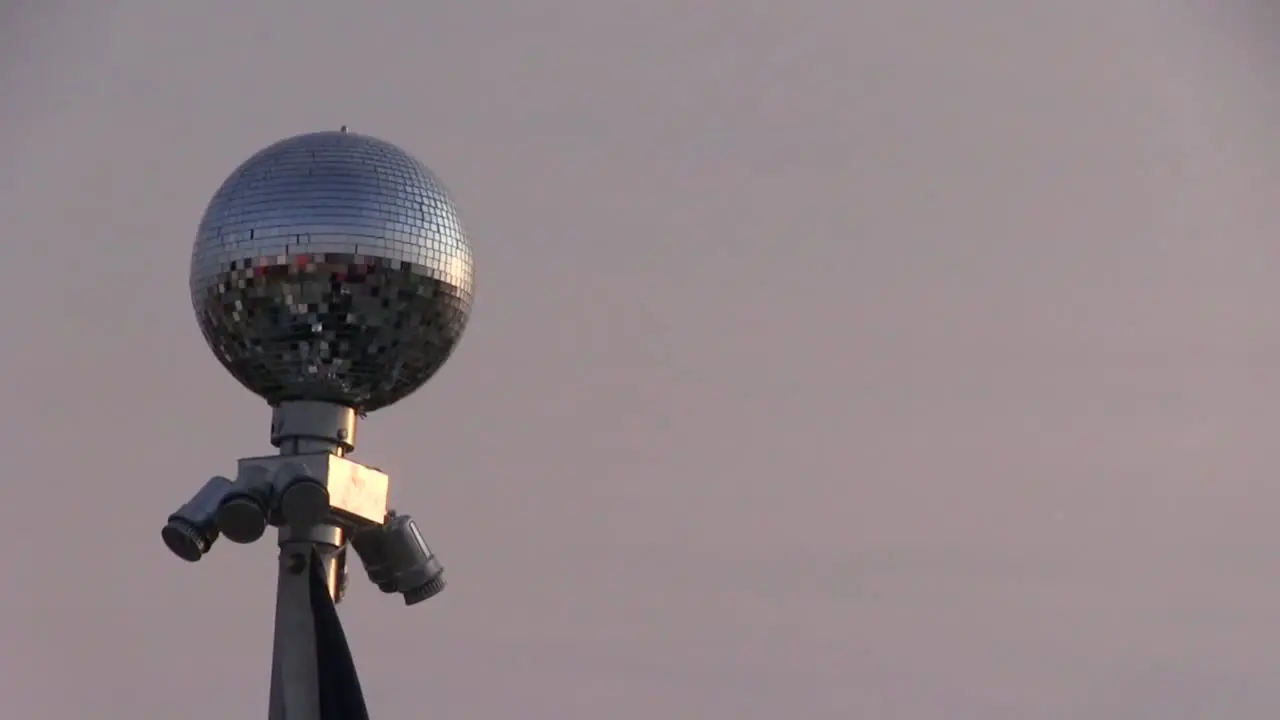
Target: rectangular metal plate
[
  {"x": 357, "y": 493},
  {"x": 357, "y": 490}
]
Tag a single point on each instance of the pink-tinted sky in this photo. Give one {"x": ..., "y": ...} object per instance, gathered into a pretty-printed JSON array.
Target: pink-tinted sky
[{"x": 880, "y": 360}]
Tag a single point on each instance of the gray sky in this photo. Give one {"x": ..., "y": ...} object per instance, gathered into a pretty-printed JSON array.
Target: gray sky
[{"x": 888, "y": 360}]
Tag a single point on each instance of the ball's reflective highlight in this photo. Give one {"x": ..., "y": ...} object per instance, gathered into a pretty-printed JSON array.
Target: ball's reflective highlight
[{"x": 332, "y": 266}]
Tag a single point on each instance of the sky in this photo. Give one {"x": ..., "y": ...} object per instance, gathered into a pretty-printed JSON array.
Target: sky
[{"x": 894, "y": 359}]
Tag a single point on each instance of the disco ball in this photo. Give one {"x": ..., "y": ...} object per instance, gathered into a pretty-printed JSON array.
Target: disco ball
[{"x": 332, "y": 266}]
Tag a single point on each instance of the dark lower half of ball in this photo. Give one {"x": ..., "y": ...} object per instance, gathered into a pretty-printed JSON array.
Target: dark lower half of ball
[{"x": 358, "y": 332}]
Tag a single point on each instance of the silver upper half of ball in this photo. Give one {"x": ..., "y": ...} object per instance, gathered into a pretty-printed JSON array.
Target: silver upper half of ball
[{"x": 332, "y": 266}]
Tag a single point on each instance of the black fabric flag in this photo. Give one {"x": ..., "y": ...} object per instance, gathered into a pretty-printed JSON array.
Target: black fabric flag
[{"x": 340, "y": 694}]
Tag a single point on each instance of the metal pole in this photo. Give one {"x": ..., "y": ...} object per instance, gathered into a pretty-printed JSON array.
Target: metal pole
[
  {"x": 295, "y": 680},
  {"x": 295, "y": 669}
]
